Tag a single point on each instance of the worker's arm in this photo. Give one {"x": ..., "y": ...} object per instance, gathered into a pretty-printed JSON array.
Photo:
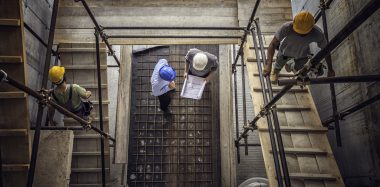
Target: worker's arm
[
  {"x": 274, "y": 44},
  {"x": 51, "y": 113},
  {"x": 186, "y": 69},
  {"x": 322, "y": 43},
  {"x": 83, "y": 93}
]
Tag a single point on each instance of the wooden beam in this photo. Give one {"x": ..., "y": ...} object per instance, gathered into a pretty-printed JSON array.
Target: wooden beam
[
  {"x": 88, "y": 170},
  {"x": 123, "y": 104},
  {"x": 84, "y": 67},
  {"x": 15, "y": 167},
  {"x": 283, "y": 107}
]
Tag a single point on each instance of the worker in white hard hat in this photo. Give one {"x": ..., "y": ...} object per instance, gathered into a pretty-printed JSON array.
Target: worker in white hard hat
[
  {"x": 200, "y": 63},
  {"x": 293, "y": 41},
  {"x": 68, "y": 96}
]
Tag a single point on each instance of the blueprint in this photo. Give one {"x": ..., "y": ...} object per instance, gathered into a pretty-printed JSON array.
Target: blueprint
[{"x": 193, "y": 87}]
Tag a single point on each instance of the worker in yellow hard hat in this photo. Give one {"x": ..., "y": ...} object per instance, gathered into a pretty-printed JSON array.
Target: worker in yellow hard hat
[
  {"x": 68, "y": 95},
  {"x": 293, "y": 41}
]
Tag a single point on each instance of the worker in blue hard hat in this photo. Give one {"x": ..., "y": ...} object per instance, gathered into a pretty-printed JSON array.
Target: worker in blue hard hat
[{"x": 163, "y": 85}]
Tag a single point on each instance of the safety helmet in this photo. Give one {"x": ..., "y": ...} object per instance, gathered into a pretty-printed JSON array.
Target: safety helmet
[
  {"x": 303, "y": 22},
  {"x": 200, "y": 61},
  {"x": 167, "y": 73},
  {"x": 56, "y": 74}
]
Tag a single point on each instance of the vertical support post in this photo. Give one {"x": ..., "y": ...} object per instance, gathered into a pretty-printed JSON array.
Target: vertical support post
[
  {"x": 37, "y": 132},
  {"x": 243, "y": 97},
  {"x": 236, "y": 108},
  {"x": 332, "y": 86},
  {"x": 100, "y": 105},
  {"x": 1, "y": 169}
]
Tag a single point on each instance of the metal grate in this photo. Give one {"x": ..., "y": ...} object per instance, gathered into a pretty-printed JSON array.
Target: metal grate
[{"x": 183, "y": 152}]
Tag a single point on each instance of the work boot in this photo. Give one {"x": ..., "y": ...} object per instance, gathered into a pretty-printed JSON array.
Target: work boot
[
  {"x": 168, "y": 115},
  {"x": 274, "y": 76}
]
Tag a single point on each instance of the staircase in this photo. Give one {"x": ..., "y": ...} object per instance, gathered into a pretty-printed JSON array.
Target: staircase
[
  {"x": 308, "y": 153},
  {"x": 14, "y": 118},
  {"x": 79, "y": 60}
]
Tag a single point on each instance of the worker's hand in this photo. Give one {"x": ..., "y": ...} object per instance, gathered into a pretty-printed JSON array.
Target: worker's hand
[
  {"x": 331, "y": 73},
  {"x": 172, "y": 85},
  {"x": 185, "y": 75},
  {"x": 88, "y": 94},
  {"x": 267, "y": 69}
]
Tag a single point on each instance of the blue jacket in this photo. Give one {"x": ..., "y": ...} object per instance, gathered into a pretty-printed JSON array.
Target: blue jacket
[{"x": 159, "y": 85}]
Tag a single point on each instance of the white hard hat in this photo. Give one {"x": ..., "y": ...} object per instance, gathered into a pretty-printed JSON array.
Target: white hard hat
[{"x": 200, "y": 61}]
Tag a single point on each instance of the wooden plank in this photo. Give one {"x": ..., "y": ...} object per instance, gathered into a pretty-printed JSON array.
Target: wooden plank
[
  {"x": 93, "y": 86},
  {"x": 15, "y": 167},
  {"x": 311, "y": 176},
  {"x": 304, "y": 151},
  {"x": 81, "y": 50},
  {"x": 305, "y": 129},
  {"x": 10, "y": 59},
  {"x": 123, "y": 104},
  {"x": 9, "y": 22},
  {"x": 87, "y": 136},
  {"x": 12, "y": 95},
  {"x": 13, "y": 132}
]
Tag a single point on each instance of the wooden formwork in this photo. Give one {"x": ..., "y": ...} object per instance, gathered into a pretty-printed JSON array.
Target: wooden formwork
[
  {"x": 79, "y": 60},
  {"x": 14, "y": 118}
]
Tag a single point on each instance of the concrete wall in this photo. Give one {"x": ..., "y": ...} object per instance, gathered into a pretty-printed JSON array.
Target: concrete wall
[
  {"x": 358, "y": 158},
  {"x": 37, "y": 15}
]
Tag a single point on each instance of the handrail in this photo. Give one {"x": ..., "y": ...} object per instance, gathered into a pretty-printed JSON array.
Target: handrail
[
  {"x": 100, "y": 29},
  {"x": 47, "y": 100},
  {"x": 244, "y": 37}
]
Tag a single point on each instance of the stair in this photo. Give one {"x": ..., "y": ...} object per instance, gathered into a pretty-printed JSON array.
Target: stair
[
  {"x": 308, "y": 153},
  {"x": 86, "y": 158},
  {"x": 14, "y": 112}
]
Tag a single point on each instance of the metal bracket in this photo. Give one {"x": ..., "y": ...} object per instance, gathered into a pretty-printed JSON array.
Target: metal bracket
[{"x": 45, "y": 94}]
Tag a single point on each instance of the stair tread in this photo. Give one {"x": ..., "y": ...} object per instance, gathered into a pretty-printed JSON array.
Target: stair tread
[
  {"x": 84, "y": 67},
  {"x": 9, "y": 22},
  {"x": 286, "y": 107},
  {"x": 308, "y": 151},
  {"x": 13, "y": 132},
  {"x": 312, "y": 176},
  {"x": 299, "y": 129},
  {"x": 15, "y": 167},
  {"x": 12, "y": 95},
  {"x": 10, "y": 59},
  {"x": 79, "y": 50}
]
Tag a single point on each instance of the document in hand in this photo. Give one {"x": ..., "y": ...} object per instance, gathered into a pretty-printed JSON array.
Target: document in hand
[{"x": 193, "y": 87}]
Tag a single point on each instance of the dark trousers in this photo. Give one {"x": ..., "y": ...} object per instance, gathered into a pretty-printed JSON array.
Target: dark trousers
[{"x": 165, "y": 100}]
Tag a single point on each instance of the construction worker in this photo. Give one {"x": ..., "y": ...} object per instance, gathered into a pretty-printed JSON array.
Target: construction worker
[
  {"x": 163, "y": 85},
  {"x": 292, "y": 41},
  {"x": 68, "y": 95},
  {"x": 200, "y": 64}
]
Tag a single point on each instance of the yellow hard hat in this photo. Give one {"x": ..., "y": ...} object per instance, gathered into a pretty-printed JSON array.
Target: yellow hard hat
[
  {"x": 56, "y": 74},
  {"x": 303, "y": 22}
]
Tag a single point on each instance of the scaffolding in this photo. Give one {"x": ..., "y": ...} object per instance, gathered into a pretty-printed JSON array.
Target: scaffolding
[{"x": 267, "y": 111}]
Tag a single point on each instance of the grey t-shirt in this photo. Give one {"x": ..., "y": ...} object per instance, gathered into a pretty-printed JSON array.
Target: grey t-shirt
[
  {"x": 212, "y": 63},
  {"x": 295, "y": 45}
]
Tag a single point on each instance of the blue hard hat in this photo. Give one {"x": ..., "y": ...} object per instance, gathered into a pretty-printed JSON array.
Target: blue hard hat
[{"x": 167, "y": 73}]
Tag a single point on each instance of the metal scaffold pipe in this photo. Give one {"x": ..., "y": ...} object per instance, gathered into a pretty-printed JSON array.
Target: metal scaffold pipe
[
  {"x": 174, "y": 28},
  {"x": 246, "y": 31},
  {"x": 167, "y": 36},
  {"x": 48, "y": 101},
  {"x": 328, "y": 80}
]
